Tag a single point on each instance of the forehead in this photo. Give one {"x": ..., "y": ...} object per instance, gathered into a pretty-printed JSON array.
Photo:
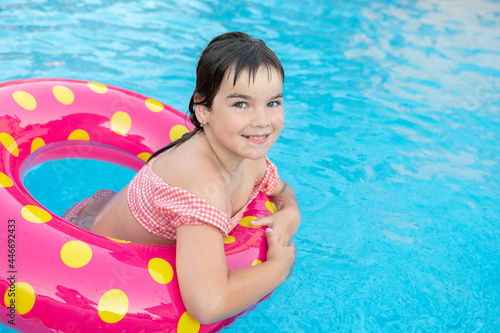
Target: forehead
[{"x": 264, "y": 74}]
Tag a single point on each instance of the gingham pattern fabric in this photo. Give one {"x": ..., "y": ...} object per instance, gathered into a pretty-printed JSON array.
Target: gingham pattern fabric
[
  {"x": 71, "y": 215},
  {"x": 161, "y": 208}
]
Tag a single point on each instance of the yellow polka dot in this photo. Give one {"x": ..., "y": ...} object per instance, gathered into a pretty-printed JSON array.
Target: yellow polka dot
[
  {"x": 5, "y": 181},
  {"x": 229, "y": 240},
  {"x": 9, "y": 143},
  {"x": 161, "y": 271},
  {"x": 35, "y": 214},
  {"x": 121, "y": 123},
  {"x": 37, "y": 143},
  {"x": 245, "y": 222},
  {"x": 144, "y": 156},
  {"x": 76, "y": 254},
  {"x": 187, "y": 324},
  {"x": 79, "y": 134},
  {"x": 177, "y": 131},
  {"x": 23, "y": 297},
  {"x": 118, "y": 240},
  {"x": 271, "y": 207},
  {"x": 113, "y": 306},
  {"x": 63, "y": 94},
  {"x": 256, "y": 262},
  {"x": 25, "y": 100},
  {"x": 97, "y": 87},
  {"x": 153, "y": 105}
]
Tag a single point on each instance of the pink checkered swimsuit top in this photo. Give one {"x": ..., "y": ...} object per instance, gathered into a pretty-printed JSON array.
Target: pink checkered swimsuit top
[{"x": 161, "y": 208}]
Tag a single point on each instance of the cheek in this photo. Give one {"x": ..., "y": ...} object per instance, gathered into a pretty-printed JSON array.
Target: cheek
[{"x": 278, "y": 120}]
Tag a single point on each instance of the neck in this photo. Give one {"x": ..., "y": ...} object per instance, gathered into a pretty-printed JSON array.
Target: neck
[
  {"x": 236, "y": 172},
  {"x": 231, "y": 164}
]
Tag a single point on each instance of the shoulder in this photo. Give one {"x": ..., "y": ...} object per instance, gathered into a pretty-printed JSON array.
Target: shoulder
[
  {"x": 268, "y": 179},
  {"x": 193, "y": 170},
  {"x": 258, "y": 167},
  {"x": 263, "y": 167}
]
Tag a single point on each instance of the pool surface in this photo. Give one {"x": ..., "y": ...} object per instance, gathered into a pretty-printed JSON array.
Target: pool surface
[{"x": 391, "y": 140}]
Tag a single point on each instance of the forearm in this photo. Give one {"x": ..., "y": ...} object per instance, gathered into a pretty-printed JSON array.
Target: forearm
[
  {"x": 209, "y": 290},
  {"x": 247, "y": 286},
  {"x": 241, "y": 289},
  {"x": 285, "y": 196},
  {"x": 286, "y": 200}
]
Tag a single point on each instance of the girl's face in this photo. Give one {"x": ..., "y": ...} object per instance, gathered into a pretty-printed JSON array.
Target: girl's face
[{"x": 246, "y": 119}]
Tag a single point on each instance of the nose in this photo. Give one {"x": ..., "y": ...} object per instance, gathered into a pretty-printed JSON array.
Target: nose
[{"x": 260, "y": 118}]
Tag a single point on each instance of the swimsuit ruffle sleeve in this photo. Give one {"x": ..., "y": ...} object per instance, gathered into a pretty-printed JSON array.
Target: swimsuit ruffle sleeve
[
  {"x": 268, "y": 183},
  {"x": 161, "y": 208},
  {"x": 179, "y": 206}
]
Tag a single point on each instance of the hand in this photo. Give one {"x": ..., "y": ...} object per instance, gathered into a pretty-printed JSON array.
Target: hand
[
  {"x": 287, "y": 220},
  {"x": 284, "y": 224},
  {"x": 283, "y": 253}
]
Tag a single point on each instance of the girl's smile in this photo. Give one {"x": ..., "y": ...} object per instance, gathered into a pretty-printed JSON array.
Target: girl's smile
[{"x": 257, "y": 139}]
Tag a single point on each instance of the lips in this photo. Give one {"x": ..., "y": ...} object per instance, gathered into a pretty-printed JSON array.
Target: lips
[{"x": 258, "y": 139}]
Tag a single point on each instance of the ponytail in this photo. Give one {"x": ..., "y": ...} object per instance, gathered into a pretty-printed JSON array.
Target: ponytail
[
  {"x": 197, "y": 128},
  {"x": 175, "y": 143}
]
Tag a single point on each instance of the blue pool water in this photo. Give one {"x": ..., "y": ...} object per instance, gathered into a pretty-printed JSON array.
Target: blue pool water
[{"x": 391, "y": 140}]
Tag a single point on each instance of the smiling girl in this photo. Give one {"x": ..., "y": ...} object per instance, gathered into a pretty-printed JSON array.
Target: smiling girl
[{"x": 193, "y": 192}]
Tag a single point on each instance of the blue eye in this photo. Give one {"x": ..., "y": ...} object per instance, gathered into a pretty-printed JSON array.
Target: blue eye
[
  {"x": 239, "y": 105},
  {"x": 274, "y": 104}
]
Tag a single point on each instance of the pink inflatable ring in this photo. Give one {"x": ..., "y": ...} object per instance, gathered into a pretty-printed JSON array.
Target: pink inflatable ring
[{"x": 56, "y": 277}]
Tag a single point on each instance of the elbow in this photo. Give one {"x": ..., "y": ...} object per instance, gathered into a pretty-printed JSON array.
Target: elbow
[
  {"x": 203, "y": 318},
  {"x": 205, "y": 304},
  {"x": 203, "y": 313}
]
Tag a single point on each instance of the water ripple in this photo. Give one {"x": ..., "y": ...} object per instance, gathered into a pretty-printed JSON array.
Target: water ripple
[{"x": 391, "y": 139}]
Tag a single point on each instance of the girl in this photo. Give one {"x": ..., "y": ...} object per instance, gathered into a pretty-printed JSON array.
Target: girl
[{"x": 193, "y": 192}]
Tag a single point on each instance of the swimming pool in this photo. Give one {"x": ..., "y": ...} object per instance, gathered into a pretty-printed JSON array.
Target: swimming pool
[{"x": 391, "y": 140}]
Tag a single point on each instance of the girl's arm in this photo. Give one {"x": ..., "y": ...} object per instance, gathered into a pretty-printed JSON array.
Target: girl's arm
[
  {"x": 209, "y": 290},
  {"x": 286, "y": 221}
]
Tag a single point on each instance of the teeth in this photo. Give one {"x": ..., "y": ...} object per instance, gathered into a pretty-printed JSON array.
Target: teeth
[{"x": 256, "y": 137}]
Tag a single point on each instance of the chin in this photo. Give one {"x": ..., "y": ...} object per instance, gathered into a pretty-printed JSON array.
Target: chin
[
  {"x": 256, "y": 155},
  {"x": 255, "y": 152}
]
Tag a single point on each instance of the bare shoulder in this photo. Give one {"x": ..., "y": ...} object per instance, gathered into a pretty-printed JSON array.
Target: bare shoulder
[
  {"x": 191, "y": 168},
  {"x": 257, "y": 168}
]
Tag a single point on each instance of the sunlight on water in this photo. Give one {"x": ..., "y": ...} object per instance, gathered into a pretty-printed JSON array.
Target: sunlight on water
[{"x": 391, "y": 140}]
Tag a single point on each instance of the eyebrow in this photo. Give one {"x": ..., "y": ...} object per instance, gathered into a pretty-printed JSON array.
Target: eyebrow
[{"x": 242, "y": 96}]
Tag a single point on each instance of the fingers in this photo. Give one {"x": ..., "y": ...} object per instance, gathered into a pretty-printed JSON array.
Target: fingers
[
  {"x": 278, "y": 251},
  {"x": 278, "y": 238},
  {"x": 263, "y": 221},
  {"x": 272, "y": 238},
  {"x": 270, "y": 235},
  {"x": 284, "y": 238}
]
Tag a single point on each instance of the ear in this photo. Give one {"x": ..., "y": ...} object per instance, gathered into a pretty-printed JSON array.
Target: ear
[{"x": 201, "y": 111}]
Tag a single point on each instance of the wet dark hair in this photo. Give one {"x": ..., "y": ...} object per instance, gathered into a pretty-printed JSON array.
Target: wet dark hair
[{"x": 224, "y": 51}]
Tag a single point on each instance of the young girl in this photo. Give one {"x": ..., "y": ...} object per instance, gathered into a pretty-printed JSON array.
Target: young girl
[{"x": 193, "y": 192}]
